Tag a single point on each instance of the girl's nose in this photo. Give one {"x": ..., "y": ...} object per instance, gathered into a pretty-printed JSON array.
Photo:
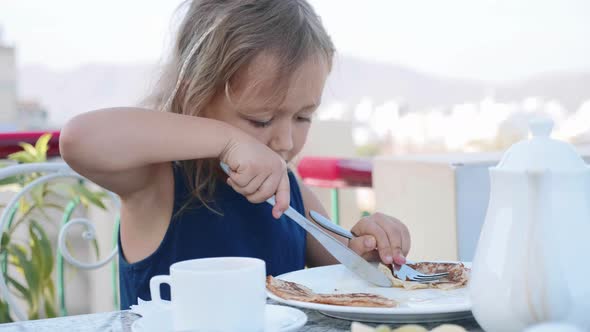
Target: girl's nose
[{"x": 282, "y": 140}]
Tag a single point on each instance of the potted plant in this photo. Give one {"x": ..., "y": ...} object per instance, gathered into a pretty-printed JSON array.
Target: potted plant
[{"x": 27, "y": 251}]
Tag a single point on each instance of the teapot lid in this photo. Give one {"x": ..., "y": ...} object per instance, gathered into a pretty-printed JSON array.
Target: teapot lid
[{"x": 541, "y": 151}]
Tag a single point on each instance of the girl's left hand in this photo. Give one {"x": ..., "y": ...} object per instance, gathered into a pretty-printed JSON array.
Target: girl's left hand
[{"x": 388, "y": 235}]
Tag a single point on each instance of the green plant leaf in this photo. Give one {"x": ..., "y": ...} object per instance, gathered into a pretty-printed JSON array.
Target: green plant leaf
[
  {"x": 96, "y": 249},
  {"x": 89, "y": 195},
  {"x": 54, "y": 206},
  {"x": 31, "y": 177},
  {"x": 61, "y": 188},
  {"x": 52, "y": 195},
  {"x": 50, "y": 300},
  {"x": 10, "y": 180},
  {"x": 4, "y": 241},
  {"x": 23, "y": 217},
  {"x": 49, "y": 306},
  {"x": 45, "y": 250},
  {"x": 51, "y": 290},
  {"x": 23, "y": 206},
  {"x": 4, "y": 313},
  {"x": 24, "y": 292},
  {"x": 37, "y": 194},
  {"x": 46, "y": 216},
  {"x": 34, "y": 314},
  {"x": 26, "y": 267},
  {"x": 36, "y": 257},
  {"x": 30, "y": 149},
  {"x": 48, "y": 252},
  {"x": 42, "y": 146},
  {"x": 21, "y": 157}
]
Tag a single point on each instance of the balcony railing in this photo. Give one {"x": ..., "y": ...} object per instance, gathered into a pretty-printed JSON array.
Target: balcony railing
[
  {"x": 335, "y": 174},
  {"x": 9, "y": 142},
  {"x": 33, "y": 180}
]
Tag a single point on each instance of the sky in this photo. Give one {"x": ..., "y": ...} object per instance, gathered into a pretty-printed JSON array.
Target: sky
[{"x": 482, "y": 39}]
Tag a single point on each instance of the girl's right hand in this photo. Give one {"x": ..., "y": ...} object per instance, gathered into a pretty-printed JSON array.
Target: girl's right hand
[{"x": 257, "y": 172}]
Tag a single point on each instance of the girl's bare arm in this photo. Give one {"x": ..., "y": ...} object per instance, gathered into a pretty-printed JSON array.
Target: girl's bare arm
[{"x": 120, "y": 148}]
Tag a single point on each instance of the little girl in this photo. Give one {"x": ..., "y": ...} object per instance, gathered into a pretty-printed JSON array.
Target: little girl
[{"x": 241, "y": 87}]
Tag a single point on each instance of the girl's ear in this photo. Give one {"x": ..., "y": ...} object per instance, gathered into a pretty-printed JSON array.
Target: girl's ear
[{"x": 227, "y": 91}]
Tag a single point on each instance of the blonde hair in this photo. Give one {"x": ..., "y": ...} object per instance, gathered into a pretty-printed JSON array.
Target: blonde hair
[{"x": 219, "y": 37}]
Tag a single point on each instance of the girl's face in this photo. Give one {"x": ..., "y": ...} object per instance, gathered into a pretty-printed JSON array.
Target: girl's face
[{"x": 282, "y": 125}]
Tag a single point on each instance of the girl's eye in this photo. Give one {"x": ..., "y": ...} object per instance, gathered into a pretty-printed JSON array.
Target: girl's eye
[
  {"x": 260, "y": 124},
  {"x": 304, "y": 119}
]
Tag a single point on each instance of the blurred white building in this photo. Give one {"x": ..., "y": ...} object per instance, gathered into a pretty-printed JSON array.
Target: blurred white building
[
  {"x": 32, "y": 115},
  {"x": 486, "y": 125},
  {"x": 8, "y": 103}
]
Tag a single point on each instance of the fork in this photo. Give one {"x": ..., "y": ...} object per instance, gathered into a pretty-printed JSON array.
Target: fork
[{"x": 402, "y": 272}]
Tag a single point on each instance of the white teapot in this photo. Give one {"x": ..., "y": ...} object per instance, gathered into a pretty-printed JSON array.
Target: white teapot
[{"x": 532, "y": 262}]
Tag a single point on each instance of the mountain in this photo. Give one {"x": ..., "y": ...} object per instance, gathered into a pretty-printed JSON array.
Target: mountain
[
  {"x": 353, "y": 79},
  {"x": 571, "y": 89},
  {"x": 67, "y": 93}
]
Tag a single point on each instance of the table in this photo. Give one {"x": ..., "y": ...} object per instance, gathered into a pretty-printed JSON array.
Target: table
[{"x": 121, "y": 321}]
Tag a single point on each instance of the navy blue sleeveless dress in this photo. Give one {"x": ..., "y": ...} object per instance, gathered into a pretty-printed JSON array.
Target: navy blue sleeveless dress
[{"x": 244, "y": 230}]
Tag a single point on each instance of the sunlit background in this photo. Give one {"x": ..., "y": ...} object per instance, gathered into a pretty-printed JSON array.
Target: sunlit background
[{"x": 411, "y": 76}]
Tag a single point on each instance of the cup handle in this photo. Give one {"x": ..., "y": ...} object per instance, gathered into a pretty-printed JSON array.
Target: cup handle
[{"x": 155, "y": 283}]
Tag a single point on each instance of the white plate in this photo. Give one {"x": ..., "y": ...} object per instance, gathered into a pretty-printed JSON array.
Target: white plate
[
  {"x": 422, "y": 305},
  {"x": 278, "y": 319}
]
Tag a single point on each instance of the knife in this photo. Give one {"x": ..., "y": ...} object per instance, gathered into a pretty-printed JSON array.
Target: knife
[{"x": 341, "y": 252}]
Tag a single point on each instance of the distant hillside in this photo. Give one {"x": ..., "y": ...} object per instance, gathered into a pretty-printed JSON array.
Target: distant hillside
[
  {"x": 571, "y": 89},
  {"x": 103, "y": 85},
  {"x": 353, "y": 79},
  {"x": 94, "y": 86}
]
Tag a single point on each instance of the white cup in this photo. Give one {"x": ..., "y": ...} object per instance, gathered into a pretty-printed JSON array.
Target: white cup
[{"x": 215, "y": 294}]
